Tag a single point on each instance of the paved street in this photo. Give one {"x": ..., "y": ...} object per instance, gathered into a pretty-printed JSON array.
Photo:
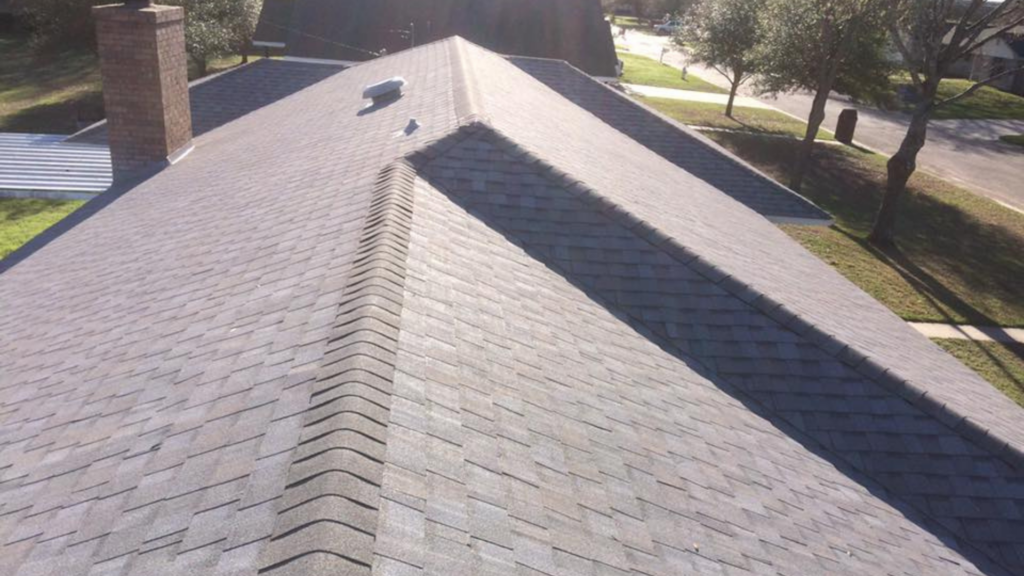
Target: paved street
[{"x": 966, "y": 151}]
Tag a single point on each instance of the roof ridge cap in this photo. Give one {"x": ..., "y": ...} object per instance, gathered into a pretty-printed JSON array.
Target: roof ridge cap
[
  {"x": 329, "y": 505},
  {"x": 849, "y": 355},
  {"x": 465, "y": 94}
]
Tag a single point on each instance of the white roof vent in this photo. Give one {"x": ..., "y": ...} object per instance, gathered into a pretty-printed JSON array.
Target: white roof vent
[{"x": 386, "y": 91}]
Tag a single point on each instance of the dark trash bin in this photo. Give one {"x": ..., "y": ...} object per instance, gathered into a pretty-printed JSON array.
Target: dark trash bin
[{"x": 846, "y": 126}]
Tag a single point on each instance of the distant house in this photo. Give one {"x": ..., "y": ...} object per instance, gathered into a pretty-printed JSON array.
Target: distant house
[
  {"x": 996, "y": 57},
  {"x": 356, "y": 30}
]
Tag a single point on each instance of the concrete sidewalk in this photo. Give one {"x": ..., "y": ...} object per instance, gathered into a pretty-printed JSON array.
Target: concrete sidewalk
[
  {"x": 960, "y": 332},
  {"x": 695, "y": 96}
]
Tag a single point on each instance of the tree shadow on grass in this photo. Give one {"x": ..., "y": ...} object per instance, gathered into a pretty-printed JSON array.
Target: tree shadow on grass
[
  {"x": 60, "y": 117},
  {"x": 960, "y": 259}
]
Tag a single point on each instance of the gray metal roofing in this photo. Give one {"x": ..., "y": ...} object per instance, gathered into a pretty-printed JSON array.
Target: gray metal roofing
[
  {"x": 325, "y": 343},
  {"x": 43, "y": 164},
  {"x": 676, "y": 143}
]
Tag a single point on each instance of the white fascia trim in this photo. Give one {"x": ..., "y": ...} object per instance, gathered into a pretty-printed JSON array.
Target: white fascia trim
[{"x": 264, "y": 44}]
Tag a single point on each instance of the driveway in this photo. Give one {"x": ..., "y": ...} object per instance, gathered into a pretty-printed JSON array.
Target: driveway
[{"x": 966, "y": 151}]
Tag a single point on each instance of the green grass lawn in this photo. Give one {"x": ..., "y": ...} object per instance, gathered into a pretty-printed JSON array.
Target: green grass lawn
[
  {"x": 959, "y": 255},
  {"x": 630, "y": 23},
  {"x": 987, "y": 103},
  {"x": 49, "y": 93},
  {"x": 1017, "y": 139},
  {"x": 1001, "y": 364},
  {"x": 748, "y": 119},
  {"x": 22, "y": 219},
  {"x": 643, "y": 70}
]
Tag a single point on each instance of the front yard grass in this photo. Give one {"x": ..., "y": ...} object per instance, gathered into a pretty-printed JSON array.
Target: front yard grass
[
  {"x": 758, "y": 120},
  {"x": 22, "y": 219},
  {"x": 988, "y": 103},
  {"x": 958, "y": 255},
  {"x": 47, "y": 93},
  {"x": 1002, "y": 364},
  {"x": 643, "y": 70},
  {"x": 61, "y": 92},
  {"x": 1017, "y": 139},
  {"x": 630, "y": 23}
]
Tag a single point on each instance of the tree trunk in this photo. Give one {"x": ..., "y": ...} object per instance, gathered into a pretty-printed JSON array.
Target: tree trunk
[
  {"x": 803, "y": 158},
  {"x": 900, "y": 168},
  {"x": 737, "y": 77}
]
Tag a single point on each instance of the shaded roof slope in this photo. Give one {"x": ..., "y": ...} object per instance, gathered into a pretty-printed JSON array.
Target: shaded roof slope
[
  {"x": 222, "y": 98},
  {"x": 572, "y": 30},
  {"x": 676, "y": 143},
  {"x": 476, "y": 347}
]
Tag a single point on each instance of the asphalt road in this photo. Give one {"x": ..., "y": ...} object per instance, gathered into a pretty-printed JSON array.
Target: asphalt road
[{"x": 966, "y": 151}]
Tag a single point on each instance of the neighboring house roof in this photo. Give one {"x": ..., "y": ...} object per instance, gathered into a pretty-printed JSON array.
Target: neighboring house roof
[
  {"x": 1008, "y": 46},
  {"x": 675, "y": 142},
  {"x": 43, "y": 165},
  {"x": 225, "y": 97},
  {"x": 39, "y": 165},
  {"x": 573, "y": 30},
  {"x": 504, "y": 338}
]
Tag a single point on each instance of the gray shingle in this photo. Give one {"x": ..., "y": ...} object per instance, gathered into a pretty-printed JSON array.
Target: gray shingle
[
  {"x": 296, "y": 351},
  {"x": 676, "y": 143}
]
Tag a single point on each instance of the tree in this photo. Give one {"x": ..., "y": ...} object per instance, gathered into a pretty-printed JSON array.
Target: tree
[
  {"x": 59, "y": 25},
  {"x": 805, "y": 44},
  {"x": 722, "y": 35},
  {"x": 932, "y": 35},
  {"x": 212, "y": 27},
  {"x": 217, "y": 27}
]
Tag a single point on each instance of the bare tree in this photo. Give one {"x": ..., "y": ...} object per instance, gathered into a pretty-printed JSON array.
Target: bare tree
[
  {"x": 805, "y": 44},
  {"x": 932, "y": 35}
]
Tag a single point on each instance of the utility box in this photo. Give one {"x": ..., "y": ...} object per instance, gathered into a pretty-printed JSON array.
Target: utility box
[{"x": 846, "y": 126}]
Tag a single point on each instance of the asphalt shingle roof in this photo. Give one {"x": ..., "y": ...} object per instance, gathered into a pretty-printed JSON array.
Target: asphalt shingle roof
[
  {"x": 676, "y": 143},
  {"x": 512, "y": 340},
  {"x": 225, "y": 97}
]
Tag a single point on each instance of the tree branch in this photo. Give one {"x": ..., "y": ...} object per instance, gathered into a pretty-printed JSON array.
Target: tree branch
[
  {"x": 979, "y": 43},
  {"x": 912, "y": 62},
  {"x": 975, "y": 88},
  {"x": 719, "y": 70}
]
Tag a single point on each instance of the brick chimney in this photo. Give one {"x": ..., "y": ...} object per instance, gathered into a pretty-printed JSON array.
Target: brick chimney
[{"x": 145, "y": 84}]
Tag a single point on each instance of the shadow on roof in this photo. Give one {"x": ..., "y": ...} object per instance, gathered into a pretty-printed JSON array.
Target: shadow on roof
[
  {"x": 228, "y": 96},
  {"x": 955, "y": 489},
  {"x": 676, "y": 143},
  {"x": 72, "y": 220}
]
